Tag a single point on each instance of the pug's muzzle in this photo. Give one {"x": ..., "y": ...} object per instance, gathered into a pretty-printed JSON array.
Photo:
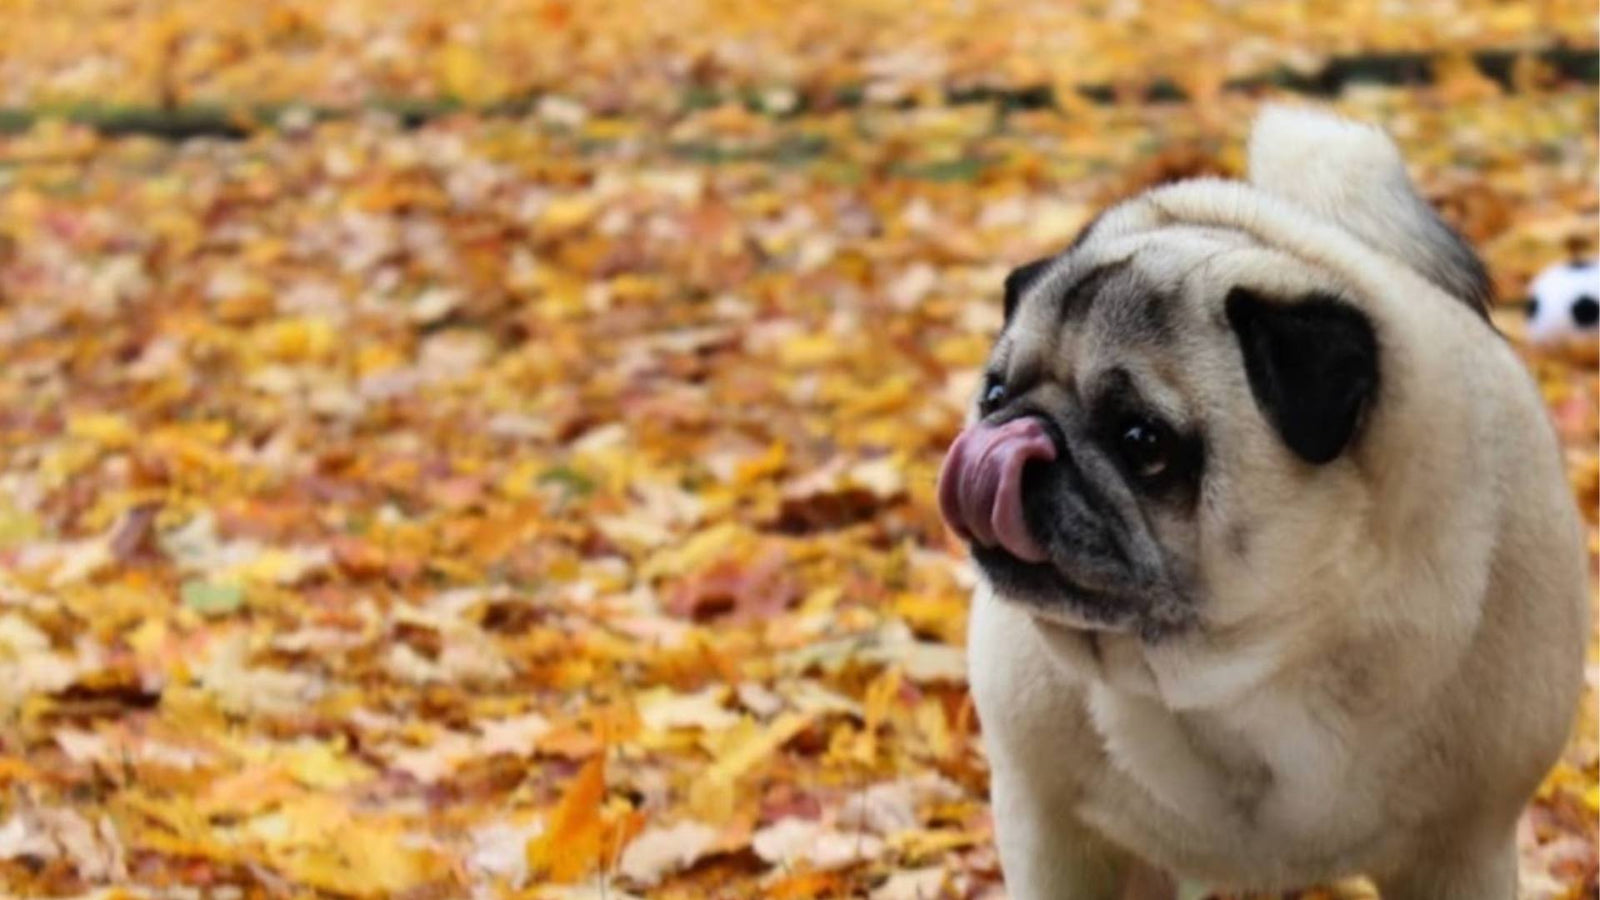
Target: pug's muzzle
[{"x": 1053, "y": 531}]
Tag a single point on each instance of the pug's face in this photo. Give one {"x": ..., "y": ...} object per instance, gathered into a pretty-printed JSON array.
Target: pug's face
[{"x": 1163, "y": 432}]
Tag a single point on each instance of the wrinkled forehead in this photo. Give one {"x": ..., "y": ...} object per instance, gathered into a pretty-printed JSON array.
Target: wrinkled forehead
[{"x": 1133, "y": 289}]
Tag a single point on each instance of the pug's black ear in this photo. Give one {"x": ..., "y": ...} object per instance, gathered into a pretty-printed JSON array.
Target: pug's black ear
[
  {"x": 1020, "y": 279},
  {"x": 1312, "y": 365}
]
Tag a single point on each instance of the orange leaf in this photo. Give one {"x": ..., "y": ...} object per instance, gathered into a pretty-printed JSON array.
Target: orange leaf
[
  {"x": 574, "y": 839},
  {"x": 806, "y": 885},
  {"x": 569, "y": 741}
]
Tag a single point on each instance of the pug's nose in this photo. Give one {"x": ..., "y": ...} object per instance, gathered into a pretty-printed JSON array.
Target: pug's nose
[{"x": 980, "y": 484}]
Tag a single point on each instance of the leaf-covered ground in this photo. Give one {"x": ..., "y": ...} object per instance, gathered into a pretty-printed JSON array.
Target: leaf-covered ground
[
  {"x": 538, "y": 503},
  {"x": 624, "y": 55}
]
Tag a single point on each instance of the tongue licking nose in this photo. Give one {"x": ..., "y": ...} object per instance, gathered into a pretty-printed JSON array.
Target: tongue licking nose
[{"x": 980, "y": 486}]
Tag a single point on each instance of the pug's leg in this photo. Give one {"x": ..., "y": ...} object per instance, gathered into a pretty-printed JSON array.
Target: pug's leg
[
  {"x": 1046, "y": 856},
  {"x": 1469, "y": 871}
]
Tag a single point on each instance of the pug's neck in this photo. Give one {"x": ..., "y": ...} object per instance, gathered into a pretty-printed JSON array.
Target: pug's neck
[{"x": 1254, "y": 733}]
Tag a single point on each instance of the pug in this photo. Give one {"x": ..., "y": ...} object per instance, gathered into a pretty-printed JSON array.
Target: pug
[{"x": 1280, "y": 578}]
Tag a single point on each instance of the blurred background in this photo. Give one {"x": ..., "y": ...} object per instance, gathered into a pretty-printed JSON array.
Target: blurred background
[{"x": 486, "y": 449}]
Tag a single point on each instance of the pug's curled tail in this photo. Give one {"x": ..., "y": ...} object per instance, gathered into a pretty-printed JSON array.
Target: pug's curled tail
[{"x": 1352, "y": 174}]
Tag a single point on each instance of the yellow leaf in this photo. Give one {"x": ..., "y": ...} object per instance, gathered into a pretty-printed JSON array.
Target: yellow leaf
[
  {"x": 465, "y": 76},
  {"x": 327, "y": 848},
  {"x": 17, "y": 526},
  {"x": 297, "y": 340},
  {"x": 711, "y": 795},
  {"x": 568, "y": 212},
  {"x": 764, "y": 466},
  {"x": 808, "y": 351},
  {"x": 522, "y": 481},
  {"x": 880, "y": 698},
  {"x": 726, "y": 539},
  {"x": 320, "y": 765},
  {"x": 105, "y": 429}
]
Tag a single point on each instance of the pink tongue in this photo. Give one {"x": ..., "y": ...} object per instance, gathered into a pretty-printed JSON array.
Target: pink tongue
[{"x": 980, "y": 486}]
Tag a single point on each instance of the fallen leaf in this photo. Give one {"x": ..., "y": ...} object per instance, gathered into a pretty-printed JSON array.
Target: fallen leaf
[
  {"x": 572, "y": 843},
  {"x": 658, "y": 851},
  {"x": 791, "y": 842}
]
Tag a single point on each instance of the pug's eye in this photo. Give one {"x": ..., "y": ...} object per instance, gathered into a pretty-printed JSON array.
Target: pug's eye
[
  {"x": 994, "y": 394},
  {"x": 1146, "y": 447}
]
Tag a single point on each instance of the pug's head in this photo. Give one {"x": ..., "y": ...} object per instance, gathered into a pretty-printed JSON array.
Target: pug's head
[{"x": 1171, "y": 428}]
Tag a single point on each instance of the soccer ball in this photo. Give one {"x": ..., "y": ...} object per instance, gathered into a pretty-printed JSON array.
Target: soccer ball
[{"x": 1564, "y": 304}]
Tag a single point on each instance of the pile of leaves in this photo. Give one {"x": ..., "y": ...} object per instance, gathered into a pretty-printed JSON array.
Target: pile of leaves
[
  {"x": 617, "y": 56},
  {"x": 541, "y": 505}
]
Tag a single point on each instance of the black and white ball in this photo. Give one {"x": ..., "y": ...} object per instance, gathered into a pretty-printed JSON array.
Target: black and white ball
[{"x": 1564, "y": 304}]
